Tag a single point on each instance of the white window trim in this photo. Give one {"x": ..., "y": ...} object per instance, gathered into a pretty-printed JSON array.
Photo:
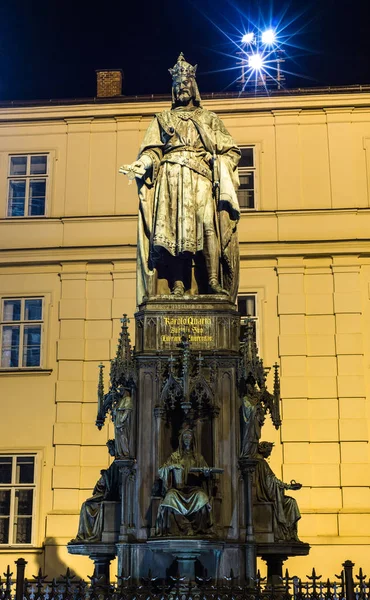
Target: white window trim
[
  {"x": 45, "y": 332},
  {"x": 256, "y": 170},
  {"x": 28, "y": 177},
  {"x": 35, "y": 486},
  {"x": 22, "y": 149}
]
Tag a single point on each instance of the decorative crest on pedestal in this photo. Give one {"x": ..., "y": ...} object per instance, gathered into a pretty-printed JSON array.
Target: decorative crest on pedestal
[{"x": 183, "y": 383}]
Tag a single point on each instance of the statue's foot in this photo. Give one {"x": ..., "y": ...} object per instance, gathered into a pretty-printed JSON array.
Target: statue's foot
[
  {"x": 178, "y": 288},
  {"x": 215, "y": 287}
]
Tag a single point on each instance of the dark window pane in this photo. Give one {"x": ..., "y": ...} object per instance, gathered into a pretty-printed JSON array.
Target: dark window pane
[
  {"x": 38, "y": 165},
  {"x": 23, "y": 530},
  {"x": 25, "y": 469},
  {"x": 36, "y": 204},
  {"x": 4, "y": 503},
  {"x": 23, "y": 502},
  {"x": 246, "y": 190},
  {"x": 4, "y": 530},
  {"x": 16, "y": 200},
  {"x": 18, "y": 165},
  {"x": 5, "y": 469},
  {"x": 33, "y": 309},
  {"x": 246, "y": 181},
  {"x": 32, "y": 346},
  {"x": 12, "y": 310},
  {"x": 246, "y": 198},
  {"x": 247, "y": 306},
  {"x": 10, "y": 346},
  {"x": 247, "y": 158}
]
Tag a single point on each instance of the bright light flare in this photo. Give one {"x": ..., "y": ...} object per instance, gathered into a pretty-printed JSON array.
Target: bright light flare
[
  {"x": 268, "y": 37},
  {"x": 248, "y": 38},
  {"x": 255, "y": 61}
]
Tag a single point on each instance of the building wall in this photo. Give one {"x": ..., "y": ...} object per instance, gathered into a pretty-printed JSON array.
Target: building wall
[{"x": 304, "y": 251}]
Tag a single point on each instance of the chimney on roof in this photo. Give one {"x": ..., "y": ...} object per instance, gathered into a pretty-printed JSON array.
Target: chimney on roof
[{"x": 109, "y": 83}]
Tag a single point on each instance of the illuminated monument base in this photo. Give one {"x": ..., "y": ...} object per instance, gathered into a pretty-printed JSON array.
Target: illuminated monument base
[{"x": 186, "y": 500}]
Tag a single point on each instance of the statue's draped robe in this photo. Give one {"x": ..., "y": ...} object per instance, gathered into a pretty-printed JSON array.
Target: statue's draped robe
[
  {"x": 286, "y": 512},
  {"x": 91, "y": 515},
  {"x": 185, "y": 507},
  {"x": 176, "y": 197},
  {"x": 251, "y": 427},
  {"x": 122, "y": 425}
]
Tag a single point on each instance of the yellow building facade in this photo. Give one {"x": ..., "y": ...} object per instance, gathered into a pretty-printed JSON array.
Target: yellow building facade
[{"x": 67, "y": 273}]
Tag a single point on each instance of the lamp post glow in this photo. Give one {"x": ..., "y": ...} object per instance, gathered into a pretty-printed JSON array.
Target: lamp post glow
[
  {"x": 261, "y": 54},
  {"x": 248, "y": 38},
  {"x": 255, "y": 62},
  {"x": 268, "y": 37}
]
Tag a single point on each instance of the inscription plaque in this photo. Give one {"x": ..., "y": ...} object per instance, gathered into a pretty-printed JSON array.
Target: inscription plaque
[
  {"x": 200, "y": 330},
  {"x": 209, "y": 322}
]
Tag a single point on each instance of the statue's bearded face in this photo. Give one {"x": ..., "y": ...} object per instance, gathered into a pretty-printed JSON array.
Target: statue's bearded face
[{"x": 183, "y": 90}]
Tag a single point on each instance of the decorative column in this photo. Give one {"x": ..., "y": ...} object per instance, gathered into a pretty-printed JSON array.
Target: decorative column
[
  {"x": 126, "y": 469},
  {"x": 159, "y": 416},
  {"x": 247, "y": 467},
  {"x": 101, "y": 565},
  {"x": 125, "y": 466}
]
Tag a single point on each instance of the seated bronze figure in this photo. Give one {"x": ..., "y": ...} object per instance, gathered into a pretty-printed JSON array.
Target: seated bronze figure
[
  {"x": 185, "y": 509},
  {"x": 90, "y": 525},
  {"x": 271, "y": 489}
]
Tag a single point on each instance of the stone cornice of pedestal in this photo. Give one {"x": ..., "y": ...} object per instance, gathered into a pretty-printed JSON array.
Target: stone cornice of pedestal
[
  {"x": 194, "y": 546},
  {"x": 93, "y": 549},
  {"x": 283, "y": 549}
]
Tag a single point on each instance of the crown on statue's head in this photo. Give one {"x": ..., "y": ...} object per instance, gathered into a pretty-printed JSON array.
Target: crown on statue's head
[{"x": 182, "y": 69}]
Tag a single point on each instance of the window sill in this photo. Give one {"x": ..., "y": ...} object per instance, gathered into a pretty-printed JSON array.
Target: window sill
[
  {"x": 25, "y": 371},
  {"x": 24, "y": 217},
  {"x": 15, "y": 548}
]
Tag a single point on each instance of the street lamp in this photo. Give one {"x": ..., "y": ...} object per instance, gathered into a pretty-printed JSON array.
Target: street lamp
[
  {"x": 248, "y": 38},
  {"x": 268, "y": 37},
  {"x": 259, "y": 52},
  {"x": 255, "y": 61}
]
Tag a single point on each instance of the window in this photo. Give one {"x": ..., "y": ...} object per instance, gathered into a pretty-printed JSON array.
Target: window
[
  {"x": 247, "y": 307},
  {"x": 27, "y": 185},
  {"x": 21, "y": 332},
  {"x": 247, "y": 177},
  {"x": 17, "y": 498}
]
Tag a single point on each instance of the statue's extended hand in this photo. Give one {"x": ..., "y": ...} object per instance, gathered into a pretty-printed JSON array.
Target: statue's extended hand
[
  {"x": 136, "y": 169},
  {"x": 294, "y": 485}
]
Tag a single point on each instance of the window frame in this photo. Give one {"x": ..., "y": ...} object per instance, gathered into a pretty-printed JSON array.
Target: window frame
[
  {"x": 22, "y": 323},
  {"x": 254, "y": 169},
  {"x": 255, "y": 317},
  {"x": 28, "y": 177},
  {"x": 13, "y": 487}
]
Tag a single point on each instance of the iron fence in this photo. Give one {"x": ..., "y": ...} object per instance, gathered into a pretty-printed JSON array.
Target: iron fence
[{"x": 345, "y": 586}]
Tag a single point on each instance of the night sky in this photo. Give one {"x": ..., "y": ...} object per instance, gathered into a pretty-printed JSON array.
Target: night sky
[{"x": 50, "y": 49}]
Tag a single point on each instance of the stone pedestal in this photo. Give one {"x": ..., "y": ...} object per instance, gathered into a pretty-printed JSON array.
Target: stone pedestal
[
  {"x": 275, "y": 555},
  {"x": 101, "y": 554},
  {"x": 111, "y": 522},
  {"x": 186, "y": 552}
]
